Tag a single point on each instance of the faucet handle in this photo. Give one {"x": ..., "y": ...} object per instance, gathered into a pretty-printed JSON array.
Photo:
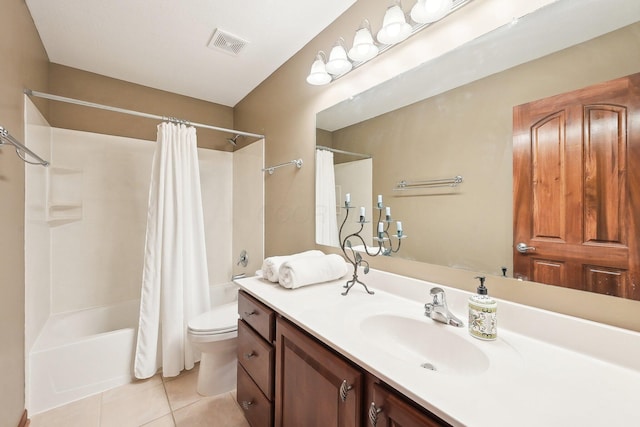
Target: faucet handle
[
  {"x": 436, "y": 290},
  {"x": 428, "y": 308}
]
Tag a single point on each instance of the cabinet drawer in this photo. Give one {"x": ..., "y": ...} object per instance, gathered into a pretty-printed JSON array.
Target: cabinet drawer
[
  {"x": 257, "y": 315},
  {"x": 256, "y": 356},
  {"x": 256, "y": 407}
]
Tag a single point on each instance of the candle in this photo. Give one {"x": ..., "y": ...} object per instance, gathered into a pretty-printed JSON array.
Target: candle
[
  {"x": 388, "y": 212},
  {"x": 399, "y": 227},
  {"x": 379, "y": 200},
  {"x": 380, "y": 227},
  {"x": 362, "y": 213},
  {"x": 347, "y": 198}
]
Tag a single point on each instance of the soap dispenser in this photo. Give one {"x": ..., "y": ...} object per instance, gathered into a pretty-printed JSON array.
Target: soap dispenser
[{"x": 483, "y": 321}]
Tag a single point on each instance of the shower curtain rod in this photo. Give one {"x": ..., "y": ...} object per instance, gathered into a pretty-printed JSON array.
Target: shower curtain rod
[
  {"x": 134, "y": 113},
  {"x": 349, "y": 153}
]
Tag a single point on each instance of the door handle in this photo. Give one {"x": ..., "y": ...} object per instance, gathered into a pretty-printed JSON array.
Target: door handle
[{"x": 523, "y": 248}]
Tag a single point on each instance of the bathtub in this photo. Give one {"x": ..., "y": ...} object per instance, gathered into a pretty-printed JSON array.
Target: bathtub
[{"x": 81, "y": 353}]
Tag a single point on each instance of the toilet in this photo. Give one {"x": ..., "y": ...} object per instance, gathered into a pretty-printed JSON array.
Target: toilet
[{"x": 215, "y": 334}]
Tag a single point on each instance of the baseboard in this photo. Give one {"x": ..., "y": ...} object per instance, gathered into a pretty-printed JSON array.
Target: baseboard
[{"x": 24, "y": 421}]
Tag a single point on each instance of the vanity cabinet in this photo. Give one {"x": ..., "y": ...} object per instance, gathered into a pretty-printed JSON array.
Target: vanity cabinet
[
  {"x": 314, "y": 386},
  {"x": 288, "y": 378},
  {"x": 256, "y": 356}
]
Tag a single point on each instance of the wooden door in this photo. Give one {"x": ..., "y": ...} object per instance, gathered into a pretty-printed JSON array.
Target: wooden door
[
  {"x": 314, "y": 386},
  {"x": 576, "y": 182}
]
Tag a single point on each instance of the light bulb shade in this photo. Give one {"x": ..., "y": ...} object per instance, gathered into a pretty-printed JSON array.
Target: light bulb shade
[
  {"x": 338, "y": 62},
  {"x": 394, "y": 26},
  {"x": 363, "y": 46},
  {"x": 428, "y": 11},
  {"x": 318, "y": 75}
]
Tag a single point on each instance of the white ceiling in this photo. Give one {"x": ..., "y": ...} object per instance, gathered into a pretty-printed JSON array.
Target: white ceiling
[{"x": 163, "y": 43}]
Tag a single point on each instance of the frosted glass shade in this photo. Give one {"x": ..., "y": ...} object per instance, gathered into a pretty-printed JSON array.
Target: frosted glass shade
[
  {"x": 363, "y": 46},
  {"x": 318, "y": 75},
  {"x": 338, "y": 62},
  {"x": 394, "y": 26},
  {"x": 428, "y": 11}
]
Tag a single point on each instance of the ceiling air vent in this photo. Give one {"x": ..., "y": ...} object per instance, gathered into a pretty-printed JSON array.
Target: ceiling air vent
[{"x": 226, "y": 42}]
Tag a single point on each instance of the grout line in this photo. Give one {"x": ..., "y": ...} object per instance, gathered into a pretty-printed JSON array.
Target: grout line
[
  {"x": 100, "y": 409},
  {"x": 166, "y": 395}
]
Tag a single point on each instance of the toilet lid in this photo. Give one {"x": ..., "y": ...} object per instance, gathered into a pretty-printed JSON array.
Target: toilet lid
[{"x": 219, "y": 319}]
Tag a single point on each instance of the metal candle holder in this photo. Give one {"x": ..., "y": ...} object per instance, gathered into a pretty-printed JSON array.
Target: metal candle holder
[{"x": 385, "y": 245}]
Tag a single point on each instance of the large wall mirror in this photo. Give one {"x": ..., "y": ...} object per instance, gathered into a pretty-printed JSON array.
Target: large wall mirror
[{"x": 453, "y": 116}]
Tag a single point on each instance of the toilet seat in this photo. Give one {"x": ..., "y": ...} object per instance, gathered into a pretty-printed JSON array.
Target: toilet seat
[{"x": 219, "y": 320}]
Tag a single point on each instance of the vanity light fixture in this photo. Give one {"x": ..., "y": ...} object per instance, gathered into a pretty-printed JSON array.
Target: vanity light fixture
[
  {"x": 319, "y": 75},
  {"x": 395, "y": 29},
  {"x": 338, "y": 62}
]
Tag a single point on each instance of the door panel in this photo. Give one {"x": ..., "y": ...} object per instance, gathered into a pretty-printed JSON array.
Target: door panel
[
  {"x": 604, "y": 174},
  {"x": 576, "y": 189},
  {"x": 548, "y": 177},
  {"x": 547, "y": 271},
  {"x": 606, "y": 281},
  {"x": 314, "y": 386}
]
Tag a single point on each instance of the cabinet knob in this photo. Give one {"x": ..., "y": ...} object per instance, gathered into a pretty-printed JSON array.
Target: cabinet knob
[
  {"x": 250, "y": 355},
  {"x": 246, "y": 404},
  {"x": 373, "y": 414},
  {"x": 344, "y": 389},
  {"x": 250, "y": 313}
]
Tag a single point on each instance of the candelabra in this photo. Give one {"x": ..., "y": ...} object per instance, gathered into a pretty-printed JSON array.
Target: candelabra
[{"x": 385, "y": 244}]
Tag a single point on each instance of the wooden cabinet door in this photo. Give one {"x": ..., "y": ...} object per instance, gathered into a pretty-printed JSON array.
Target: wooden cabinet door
[
  {"x": 314, "y": 386},
  {"x": 389, "y": 409},
  {"x": 576, "y": 182}
]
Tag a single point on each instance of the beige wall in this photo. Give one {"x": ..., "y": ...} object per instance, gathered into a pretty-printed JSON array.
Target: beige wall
[
  {"x": 283, "y": 108},
  {"x": 24, "y": 63},
  {"x": 78, "y": 84}
]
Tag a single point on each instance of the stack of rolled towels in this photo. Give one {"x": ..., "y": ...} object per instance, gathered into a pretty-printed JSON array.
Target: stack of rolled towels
[{"x": 304, "y": 268}]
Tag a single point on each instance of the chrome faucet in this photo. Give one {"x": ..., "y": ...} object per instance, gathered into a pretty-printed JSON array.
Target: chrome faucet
[{"x": 438, "y": 310}]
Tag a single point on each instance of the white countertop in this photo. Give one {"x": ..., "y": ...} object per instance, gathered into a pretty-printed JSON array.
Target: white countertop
[{"x": 545, "y": 369}]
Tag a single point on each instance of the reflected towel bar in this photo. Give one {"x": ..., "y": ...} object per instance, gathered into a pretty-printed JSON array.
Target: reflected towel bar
[
  {"x": 411, "y": 185},
  {"x": 270, "y": 169}
]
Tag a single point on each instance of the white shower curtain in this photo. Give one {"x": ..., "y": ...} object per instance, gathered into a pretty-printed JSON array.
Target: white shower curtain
[
  {"x": 175, "y": 284},
  {"x": 326, "y": 221}
]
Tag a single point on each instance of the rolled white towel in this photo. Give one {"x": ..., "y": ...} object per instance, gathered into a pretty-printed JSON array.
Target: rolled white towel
[
  {"x": 271, "y": 265},
  {"x": 304, "y": 271}
]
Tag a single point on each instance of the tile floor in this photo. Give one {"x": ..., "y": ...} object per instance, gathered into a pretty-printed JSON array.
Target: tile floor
[{"x": 156, "y": 402}]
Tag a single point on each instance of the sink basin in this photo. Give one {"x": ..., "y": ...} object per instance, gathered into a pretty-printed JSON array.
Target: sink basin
[{"x": 423, "y": 342}]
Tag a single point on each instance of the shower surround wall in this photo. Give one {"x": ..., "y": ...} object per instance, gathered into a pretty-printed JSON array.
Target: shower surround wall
[{"x": 85, "y": 232}]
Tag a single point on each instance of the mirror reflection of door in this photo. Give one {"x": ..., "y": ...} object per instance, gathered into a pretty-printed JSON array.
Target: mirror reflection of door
[{"x": 576, "y": 183}]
